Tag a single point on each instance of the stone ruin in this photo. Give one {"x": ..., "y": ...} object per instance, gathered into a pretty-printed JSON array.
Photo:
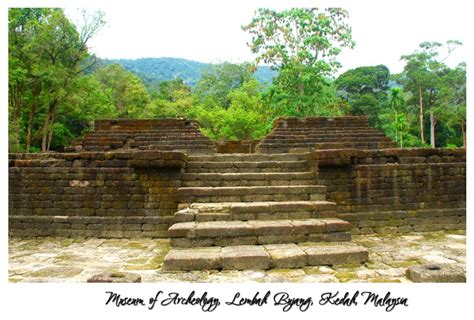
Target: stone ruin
[{"x": 291, "y": 200}]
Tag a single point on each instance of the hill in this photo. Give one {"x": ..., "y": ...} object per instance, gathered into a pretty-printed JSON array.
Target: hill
[{"x": 153, "y": 70}]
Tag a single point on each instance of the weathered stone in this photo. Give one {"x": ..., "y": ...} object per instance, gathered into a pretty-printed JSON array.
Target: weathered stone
[
  {"x": 245, "y": 258},
  {"x": 436, "y": 273},
  {"x": 335, "y": 254},
  {"x": 286, "y": 256},
  {"x": 196, "y": 259},
  {"x": 116, "y": 277}
]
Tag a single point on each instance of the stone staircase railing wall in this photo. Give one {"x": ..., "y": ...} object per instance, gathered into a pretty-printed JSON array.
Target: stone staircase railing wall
[
  {"x": 396, "y": 190},
  {"x": 94, "y": 194}
]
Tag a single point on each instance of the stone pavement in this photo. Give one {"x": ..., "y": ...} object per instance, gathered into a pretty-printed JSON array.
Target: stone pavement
[{"x": 76, "y": 260}]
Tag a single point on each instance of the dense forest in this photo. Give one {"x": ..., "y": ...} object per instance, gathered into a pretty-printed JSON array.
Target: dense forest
[{"x": 57, "y": 87}]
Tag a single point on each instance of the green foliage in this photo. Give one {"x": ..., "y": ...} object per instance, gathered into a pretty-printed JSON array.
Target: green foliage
[
  {"x": 217, "y": 81},
  {"x": 242, "y": 120},
  {"x": 126, "y": 90},
  {"x": 48, "y": 56},
  {"x": 364, "y": 88},
  {"x": 302, "y": 44},
  {"x": 56, "y": 88}
]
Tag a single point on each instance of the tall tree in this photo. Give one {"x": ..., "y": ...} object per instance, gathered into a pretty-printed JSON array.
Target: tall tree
[
  {"x": 302, "y": 43},
  {"x": 54, "y": 54},
  {"x": 365, "y": 89},
  {"x": 422, "y": 76}
]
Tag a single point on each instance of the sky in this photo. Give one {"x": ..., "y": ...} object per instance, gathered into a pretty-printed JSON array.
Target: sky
[{"x": 210, "y": 31}]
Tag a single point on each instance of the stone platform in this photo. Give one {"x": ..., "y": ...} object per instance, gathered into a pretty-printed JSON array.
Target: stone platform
[{"x": 60, "y": 260}]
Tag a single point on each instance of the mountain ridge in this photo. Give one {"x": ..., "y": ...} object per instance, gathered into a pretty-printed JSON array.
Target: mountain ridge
[{"x": 154, "y": 70}]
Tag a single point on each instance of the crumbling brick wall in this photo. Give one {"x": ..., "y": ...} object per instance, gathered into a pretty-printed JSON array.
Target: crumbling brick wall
[{"x": 396, "y": 190}]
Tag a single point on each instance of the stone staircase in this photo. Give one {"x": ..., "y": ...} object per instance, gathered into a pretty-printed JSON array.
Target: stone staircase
[
  {"x": 323, "y": 133},
  {"x": 256, "y": 211}
]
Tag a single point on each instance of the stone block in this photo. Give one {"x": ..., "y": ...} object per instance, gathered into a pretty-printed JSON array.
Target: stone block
[
  {"x": 437, "y": 273},
  {"x": 286, "y": 256},
  {"x": 335, "y": 255},
  {"x": 245, "y": 257},
  {"x": 196, "y": 259}
]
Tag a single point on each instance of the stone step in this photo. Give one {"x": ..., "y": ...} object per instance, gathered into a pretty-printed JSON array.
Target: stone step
[
  {"x": 251, "y": 193},
  {"x": 247, "y": 179},
  {"x": 249, "y": 157},
  {"x": 352, "y": 139},
  {"x": 324, "y": 134},
  {"x": 253, "y": 232},
  {"x": 244, "y": 211},
  {"x": 274, "y": 256},
  {"x": 247, "y": 166},
  {"x": 357, "y": 145}
]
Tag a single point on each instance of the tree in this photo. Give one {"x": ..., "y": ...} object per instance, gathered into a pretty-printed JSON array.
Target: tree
[
  {"x": 48, "y": 55},
  {"x": 244, "y": 119},
  {"x": 172, "y": 99},
  {"x": 423, "y": 74},
  {"x": 218, "y": 80},
  {"x": 126, "y": 90},
  {"x": 452, "y": 109},
  {"x": 364, "y": 88},
  {"x": 303, "y": 45}
]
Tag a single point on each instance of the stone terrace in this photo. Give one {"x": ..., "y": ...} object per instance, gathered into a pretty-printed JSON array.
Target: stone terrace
[
  {"x": 163, "y": 134},
  {"x": 323, "y": 133}
]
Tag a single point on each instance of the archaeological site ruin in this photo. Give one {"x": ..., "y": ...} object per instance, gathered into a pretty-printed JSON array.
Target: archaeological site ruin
[{"x": 291, "y": 200}]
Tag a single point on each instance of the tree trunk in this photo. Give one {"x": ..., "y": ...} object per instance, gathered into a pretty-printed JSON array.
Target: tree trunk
[
  {"x": 432, "y": 129},
  {"x": 16, "y": 103},
  {"x": 50, "y": 137},
  {"x": 422, "y": 127},
  {"x": 300, "y": 89},
  {"x": 28, "y": 129},
  {"x": 45, "y": 130},
  {"x": 463, "y": 130}
]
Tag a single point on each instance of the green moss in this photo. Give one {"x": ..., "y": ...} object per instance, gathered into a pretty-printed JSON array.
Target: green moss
[
  {"x": 14, "y": 280},
  {"x": 345, "y": 276},
  {"x": 136, "y": 245},
  {"x": 66, "y": 242},
  {"x": 64, "y": 257},
  {"x": 438, "y": 235},
  {"x": 117, "y": 275},
  {"x": 404, "y": 264},
  {"x": 384, "y": 280},
  {"x": 458, "y": 232},
  {"x": 138, "y": 261},
  {"x": 55, "y": 272},
  {"x": 348, "y": 266},
  {"x": 152, "y": 264}
]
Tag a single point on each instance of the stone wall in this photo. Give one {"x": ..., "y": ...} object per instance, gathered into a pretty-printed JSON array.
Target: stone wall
[
  {"x": 93, "y": 194},
  {"x": 396, "y": 190}
]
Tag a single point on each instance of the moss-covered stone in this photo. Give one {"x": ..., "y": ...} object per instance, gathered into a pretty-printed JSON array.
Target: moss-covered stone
[
  {"x": 345, "y": 276},
  {"x": 404, "y": 264},
  {"x": 55, "y": 272},
  {"x": 384, "y": 280}
]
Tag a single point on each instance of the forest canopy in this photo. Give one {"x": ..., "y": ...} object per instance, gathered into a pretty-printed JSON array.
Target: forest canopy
[{"x": 57, "y": 87}]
